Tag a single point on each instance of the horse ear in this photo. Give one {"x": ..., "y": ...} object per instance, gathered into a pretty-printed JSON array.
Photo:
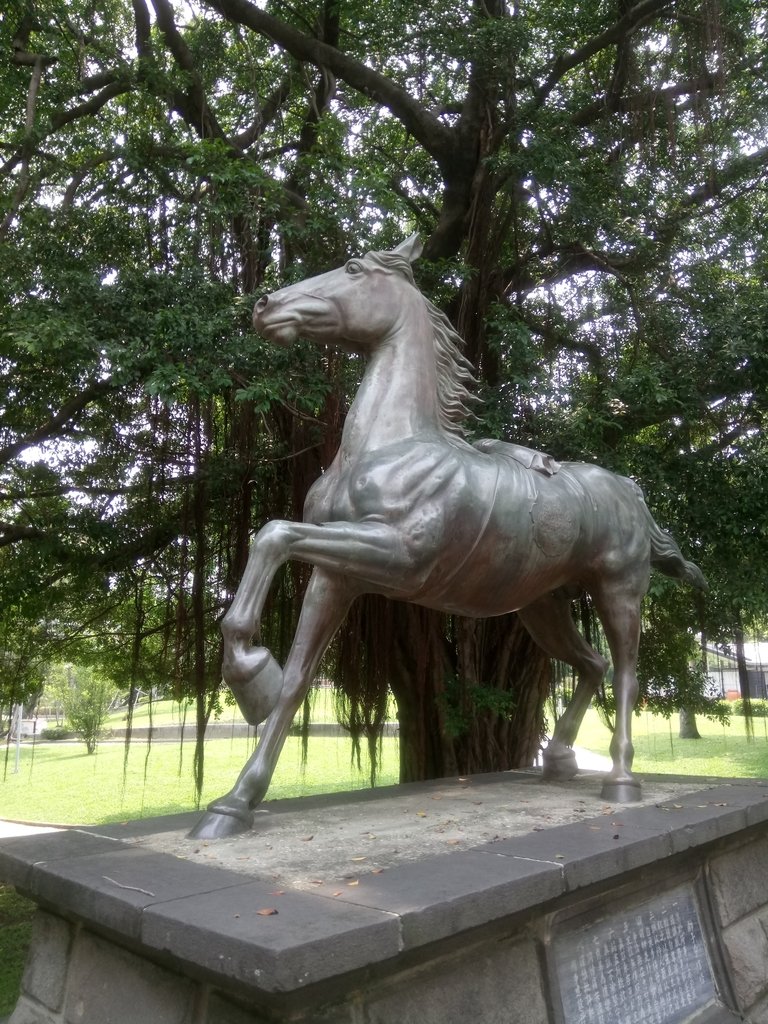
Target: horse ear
[{"x": 410, "y": 248}]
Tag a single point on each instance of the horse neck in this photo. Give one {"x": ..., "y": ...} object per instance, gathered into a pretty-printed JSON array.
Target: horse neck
[{"x": 397, "y": 398}]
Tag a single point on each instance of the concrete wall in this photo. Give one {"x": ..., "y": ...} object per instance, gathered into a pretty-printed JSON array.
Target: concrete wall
[{"x": 479, "y": 953}]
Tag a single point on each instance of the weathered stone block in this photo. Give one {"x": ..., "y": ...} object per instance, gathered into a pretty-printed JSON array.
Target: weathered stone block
[
  {"x": 738, "y": 880},
  {"x": 758, "y": 1014},
  {"x": 114, "y": 889},
  {"x": 220, "y": 1011},
  {"x": 747, "y": 946},
  {"x": 589, "y": 851},
  {"x": 501, "y": 985},
  {"x": 29, "y": 1012},
  {"x": 46, "y": 970},
  {"x": 439, "y": 896},
  {"x": 108, "y": 985},
  {"x": 20, "y": 854},
  {"x": 275, "y": 941}
]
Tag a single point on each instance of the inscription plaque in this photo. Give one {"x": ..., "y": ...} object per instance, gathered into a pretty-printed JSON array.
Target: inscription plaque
[{"x": 645, "y": 965}]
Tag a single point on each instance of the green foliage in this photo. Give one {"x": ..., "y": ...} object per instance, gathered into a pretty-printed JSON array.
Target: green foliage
[
  {"x": 462, "y": 703},
  {"x": 85, "y": 696},
  {"x": 757, "y": 708}
]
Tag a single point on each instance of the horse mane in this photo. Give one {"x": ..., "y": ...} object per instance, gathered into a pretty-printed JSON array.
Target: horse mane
[{"x": 455, "y": 373}]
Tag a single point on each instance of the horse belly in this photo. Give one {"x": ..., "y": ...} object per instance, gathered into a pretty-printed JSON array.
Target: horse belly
[
  {"x": 533, "y": 541},
  {"x": 496, "y": 579}
]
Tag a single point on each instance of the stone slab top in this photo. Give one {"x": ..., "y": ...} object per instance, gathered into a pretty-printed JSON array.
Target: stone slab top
[{"x": 324, "y": 885}]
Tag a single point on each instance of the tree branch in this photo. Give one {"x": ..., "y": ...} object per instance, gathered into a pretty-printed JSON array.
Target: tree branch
[
  {"x": 91, "y": 106},
  {"x": 436, "y": 138},
  {"x": 633, "y": 19},
  {"x": 640, "y": 101},
  {"x": 12, "y": 533},
  {"x": 198, "y": 114},
  {"x": 64, "y": 417}
]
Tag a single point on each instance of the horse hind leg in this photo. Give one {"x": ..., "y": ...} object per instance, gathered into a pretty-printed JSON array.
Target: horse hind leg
[
  {"x": 618, "y": 607},
  {"x": 551, "y": 625}
]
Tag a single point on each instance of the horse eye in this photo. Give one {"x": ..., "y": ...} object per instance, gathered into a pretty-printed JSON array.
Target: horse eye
[{"x": 354, "y": 267}]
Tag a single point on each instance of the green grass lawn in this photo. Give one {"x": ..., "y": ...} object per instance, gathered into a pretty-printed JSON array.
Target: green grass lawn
[
  {"x": 15, "y": 932},
  {"x": 724, "y": 751},
  {"x": 171, "y": 712},
  {"x": 60, "y": 783}
]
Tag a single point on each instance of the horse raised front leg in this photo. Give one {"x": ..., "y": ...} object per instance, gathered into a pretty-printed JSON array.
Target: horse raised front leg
[
  {"x": 252, "y": 674},
  {"x": 370, "y": 552},
  {"x": 350, "y": 557},
  {"x": 325, "y": 604}
]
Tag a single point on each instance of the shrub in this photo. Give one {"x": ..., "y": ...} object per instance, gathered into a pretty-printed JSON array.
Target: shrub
[
  {"x": 57, "y": 732},
  {"x": 758, "y": 707}
]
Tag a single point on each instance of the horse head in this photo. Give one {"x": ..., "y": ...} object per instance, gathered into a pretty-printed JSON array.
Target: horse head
[{"x": 354, "y": 306}]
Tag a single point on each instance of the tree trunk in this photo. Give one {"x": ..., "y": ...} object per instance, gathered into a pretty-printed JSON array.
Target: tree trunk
[
  {"x": 469, "y": 692},
  {"x": 387, "y": 645},
  {"x": 503, "y": 679},
  {"x": 688, "y": 728}
]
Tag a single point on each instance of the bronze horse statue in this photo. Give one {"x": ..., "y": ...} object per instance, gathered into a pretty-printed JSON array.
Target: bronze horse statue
[{"x": 411, "y": 510}]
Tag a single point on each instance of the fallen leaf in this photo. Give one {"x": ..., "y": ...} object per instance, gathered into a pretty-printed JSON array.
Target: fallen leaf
[
  {"x": 617, "y": 836},
  {"x": 336, "y": 893},
  {"x": 437, "y": 796},
  {"x": 316, "y": 881},
  {"x": 358, "y": 859},
  {"x": 559, "y": 856},
  {"x": 266, "y": 912},
  {"x": 421, "y": 814},
  {"x": 278, "y": 892},
  {"x": 377, "y": 871},
  {"x": 595, "y": 828},
  {"x": 453, "y": 842},
  {"x": 306, "y": 839},
  {"x": 354, "y": 882}
]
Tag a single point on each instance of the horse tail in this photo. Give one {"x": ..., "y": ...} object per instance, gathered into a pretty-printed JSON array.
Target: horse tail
[{"x": 668, "y": 558}]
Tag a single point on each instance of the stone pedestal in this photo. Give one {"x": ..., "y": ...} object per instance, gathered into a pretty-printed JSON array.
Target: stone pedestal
[{"x": 433, "y": 903}]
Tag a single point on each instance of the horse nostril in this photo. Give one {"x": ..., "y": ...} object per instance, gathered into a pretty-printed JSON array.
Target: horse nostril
[{"x": 261, "y": 305}]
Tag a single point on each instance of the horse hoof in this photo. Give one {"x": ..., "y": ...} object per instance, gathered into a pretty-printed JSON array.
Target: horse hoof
[
  {"x": 626, "y": 791},
  {"x": 258, "y": 697},
  {"x": 558, "y": 765},
  {"x": 219, "y": 823}
]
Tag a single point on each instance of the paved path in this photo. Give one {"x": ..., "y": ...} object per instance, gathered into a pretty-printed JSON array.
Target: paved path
[{"x": 17, "y": 828}]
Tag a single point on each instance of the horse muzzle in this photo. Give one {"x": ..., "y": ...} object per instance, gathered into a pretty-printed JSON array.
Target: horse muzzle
[{"x": 283, "y": 329}]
